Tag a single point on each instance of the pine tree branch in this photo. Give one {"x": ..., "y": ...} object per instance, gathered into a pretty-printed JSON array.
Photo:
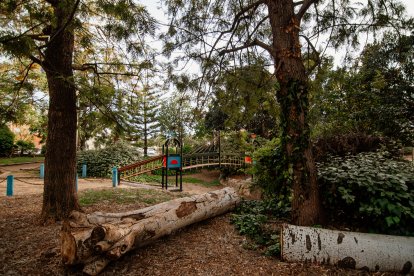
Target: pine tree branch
[
  {"x": 68, "y": 21},
  {"x": 35, "y": 60},
  {"x": 318, "y": 60},
  {"x": 304, "y": 8},
  {"x": 27, "y": 69},
  {"x": 257, "y": 26},
  {"x": 255, "y": 42},
  {"x": 52, "y": 2},
  {"x": 94, "y": 67},
  {"x": 4, "y": 41},
  {"x": 236, "y": 20}
]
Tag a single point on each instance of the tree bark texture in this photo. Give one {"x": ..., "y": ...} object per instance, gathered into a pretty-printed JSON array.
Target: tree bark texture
[
  {"x": 96, "y": 239},
  {"x": 59, "y": 197},
  {"x": 293, "y": 98}
]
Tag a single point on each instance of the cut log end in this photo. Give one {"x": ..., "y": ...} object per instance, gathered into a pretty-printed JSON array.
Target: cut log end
[{"x": 68, "y": 248}]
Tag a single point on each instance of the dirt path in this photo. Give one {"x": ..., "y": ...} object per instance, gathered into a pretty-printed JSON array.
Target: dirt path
[{"x": 27, "y": 181}]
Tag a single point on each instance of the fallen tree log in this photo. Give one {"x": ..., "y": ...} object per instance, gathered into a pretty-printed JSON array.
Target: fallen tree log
[{"x": 98, "y": 238}]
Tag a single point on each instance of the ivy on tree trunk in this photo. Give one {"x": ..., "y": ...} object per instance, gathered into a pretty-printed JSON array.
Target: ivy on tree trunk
[{"x": 293, "y": 98}]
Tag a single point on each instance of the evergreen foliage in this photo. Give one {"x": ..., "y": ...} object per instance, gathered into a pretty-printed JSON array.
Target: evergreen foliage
[
  {"x": 100, "y": 162},
  {"x": 373, "y": 96},
  {"x": 143, "y": 114},
  {"x": 6, "y": 141},
  {"x": 270, "y": 172},
  {"x": 245, "y": 99},
  {"x": 25, "y": 147}
]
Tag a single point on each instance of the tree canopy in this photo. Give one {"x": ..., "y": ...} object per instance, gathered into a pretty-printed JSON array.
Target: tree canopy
[{"x": 98, "y": 38}]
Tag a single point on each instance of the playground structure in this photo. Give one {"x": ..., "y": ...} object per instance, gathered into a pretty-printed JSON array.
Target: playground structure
[{"x": 202, "y": 157}]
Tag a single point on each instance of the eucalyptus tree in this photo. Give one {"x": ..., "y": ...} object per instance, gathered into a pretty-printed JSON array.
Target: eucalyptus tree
[
  {"x": 288, "y": 34},
  {"x": 60, "y": 36}
]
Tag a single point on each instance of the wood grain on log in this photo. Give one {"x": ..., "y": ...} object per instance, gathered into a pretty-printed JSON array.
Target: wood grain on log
[{"x": 98, "y": 238}]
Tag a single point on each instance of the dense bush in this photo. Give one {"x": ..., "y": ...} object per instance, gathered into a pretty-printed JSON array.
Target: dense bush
[
  {"x": 370, "y": 190},
  {"x": 270, "y": 172},
  {"x": 256, "y": 220},
  {"x": 100, "y": 162},
  {"x": 6, "y": 141},
  {"x": 25, "y": 147},
  {"x": 349, "y": 143}
]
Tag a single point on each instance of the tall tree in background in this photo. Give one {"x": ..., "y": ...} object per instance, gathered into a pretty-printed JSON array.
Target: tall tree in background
[
  {"x": 144, "y": 110},
  {"x": 21, "y": 90},
  {"x": 274, "y": 28},
  {"x": 373, "y": 95},
  {"x": 245, "y": 99},
  {"x": 43, "y": 32},
  {"x": 175, "y": 116}
]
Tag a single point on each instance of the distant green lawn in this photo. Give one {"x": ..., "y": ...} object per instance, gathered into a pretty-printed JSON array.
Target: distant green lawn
[
  {"x": 22, "y": 159},
  {"x": 186, "y": 178},
  {"x": 124, "y": 196}
]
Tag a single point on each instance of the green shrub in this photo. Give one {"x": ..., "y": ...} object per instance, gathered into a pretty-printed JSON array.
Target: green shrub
[
  {"x": 350, "y": 143},
  {"x": 6, "y": 141},
  {"x": 25, "y": 146},
  {"x": 270, "y": 172},
  {"x": 369, "y": 190},
  {"x": 100, "y": 162},
  {"x": 251, "y": 218}
]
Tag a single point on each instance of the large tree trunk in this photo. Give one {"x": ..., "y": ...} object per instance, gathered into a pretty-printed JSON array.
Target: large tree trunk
[
  {"x": 293, "y": 98},
  {"x": 96, "y": 239},
  {"x": 59, "y": 197}
]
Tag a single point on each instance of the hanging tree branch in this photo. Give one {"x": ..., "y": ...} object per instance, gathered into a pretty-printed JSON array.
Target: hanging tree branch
[
  {"x": 255, "y": 42},
  {"x": 318, "y": 60},
  {"x": 304, "y": 8},
  {"x": 237, "y": 18}
]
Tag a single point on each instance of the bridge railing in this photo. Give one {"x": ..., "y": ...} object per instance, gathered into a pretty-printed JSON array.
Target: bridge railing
[
  {"x": 198, "y": 159},
  {"x": 140, "y": 167},
  {"x": 190, "y": 161}
]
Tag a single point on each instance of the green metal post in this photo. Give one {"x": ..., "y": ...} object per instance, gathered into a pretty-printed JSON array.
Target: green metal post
[
  {"x": 84, "y": 171},
  {"x": 9, "y": 191},
  {"x": 42, "y": 171},
  {"x": 114, "y": 177}
]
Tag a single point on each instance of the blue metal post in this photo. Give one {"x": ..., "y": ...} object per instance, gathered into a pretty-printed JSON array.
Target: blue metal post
[
  {"x": 9, "y": 191},
  {"x": 84, "y": 171},
  {"x": 42, "y": 171},
  {"x": 114, "y": 176},
  {"x": 76, "y": 182}
]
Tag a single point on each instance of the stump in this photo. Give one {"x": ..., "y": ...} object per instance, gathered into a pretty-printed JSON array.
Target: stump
[{"x": 98, "y": 238}]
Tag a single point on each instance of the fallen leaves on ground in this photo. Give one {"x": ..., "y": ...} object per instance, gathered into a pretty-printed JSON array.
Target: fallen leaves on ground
[{"x": 211, "y": 247}]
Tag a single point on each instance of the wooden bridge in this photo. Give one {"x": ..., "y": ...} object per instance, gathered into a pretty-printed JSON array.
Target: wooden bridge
[{"x": 189, "y": 161}]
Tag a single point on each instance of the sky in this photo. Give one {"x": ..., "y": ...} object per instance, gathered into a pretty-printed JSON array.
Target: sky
[{"x": 155, "y": 9}]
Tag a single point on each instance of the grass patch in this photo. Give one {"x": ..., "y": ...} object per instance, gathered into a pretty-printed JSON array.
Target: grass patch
[
  {"x": 193, "y": 180},
  {"x": 20, "y": 159},
  {"x": 124, "y": 196},
  {"x": 147, "y": 178},
  {"x": 150, "y": 178}
]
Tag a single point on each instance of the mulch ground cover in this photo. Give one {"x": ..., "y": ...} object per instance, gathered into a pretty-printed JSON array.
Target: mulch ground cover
[{"x": 211, "y": 247}]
